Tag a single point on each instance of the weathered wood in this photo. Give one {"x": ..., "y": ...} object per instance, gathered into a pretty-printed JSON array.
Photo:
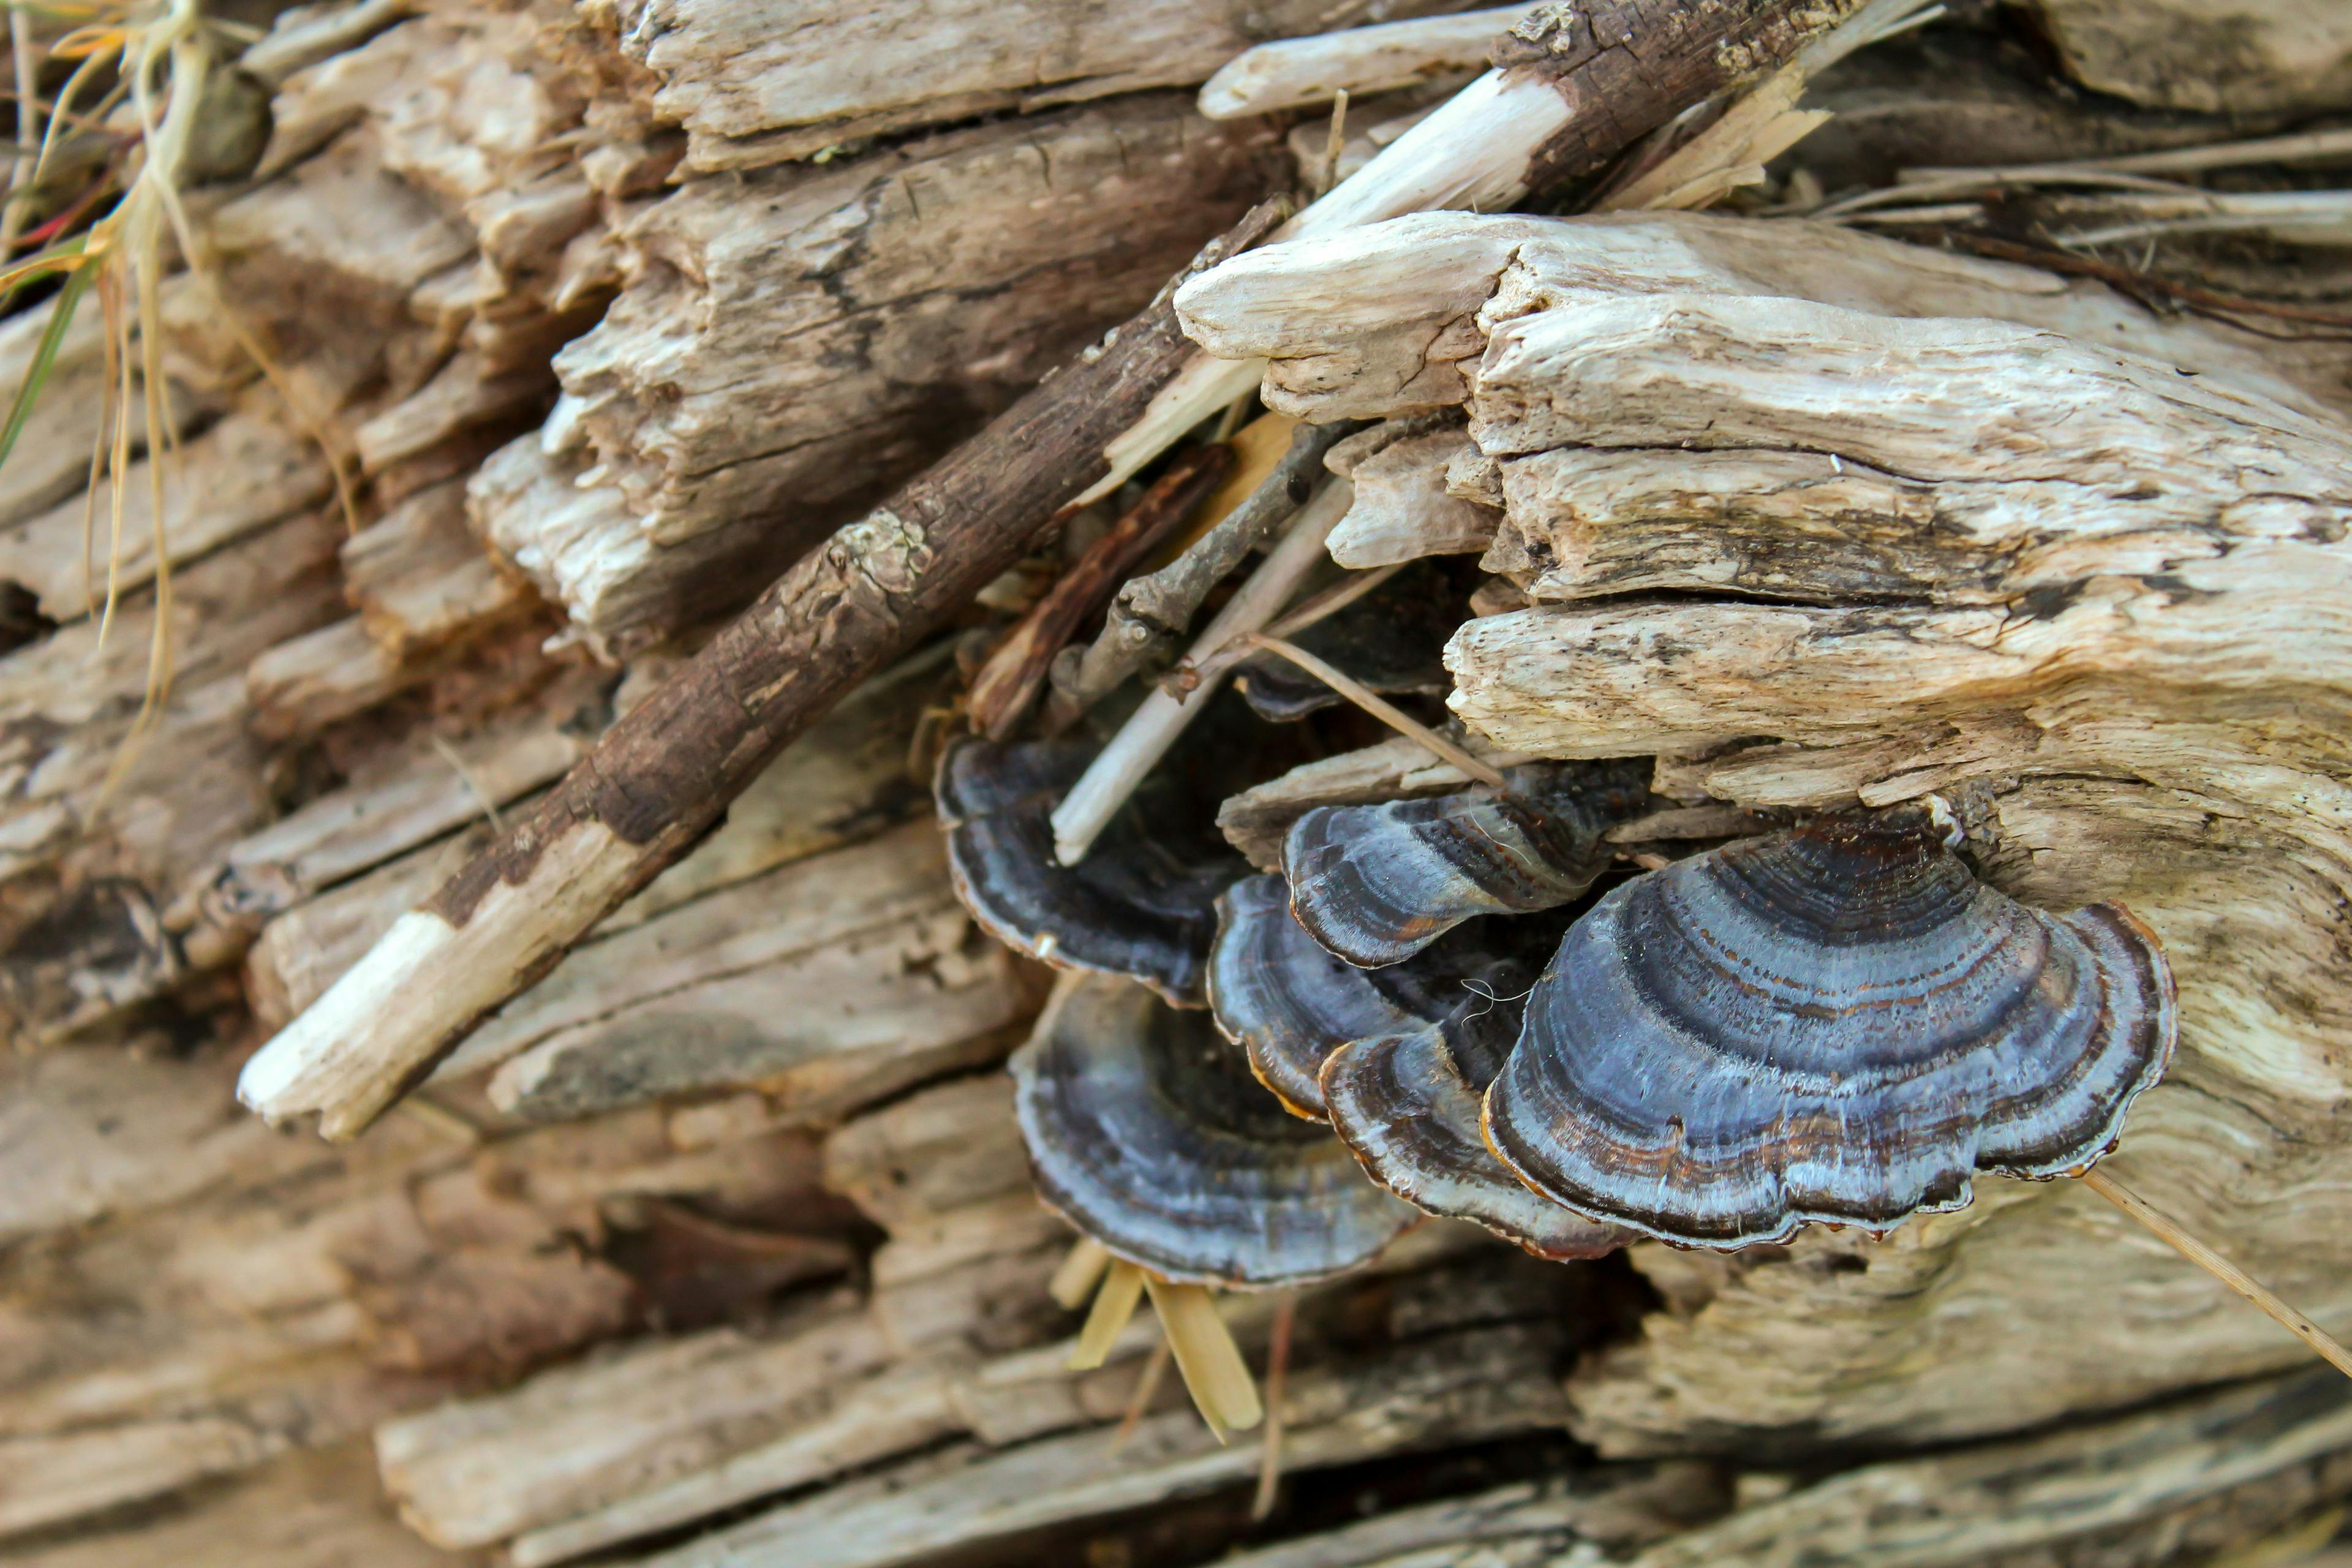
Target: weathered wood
[
  {"x": 848, "y": 781},
  {"x": 1447, "y": 1388},
  {"x": 833, "y": 981},
  {"x": 1256, "y": 820},
  {"x": 302, "y": 1510},
  {"x": 749, "y": 92},
  {"x": 1004, "y": 687},
  {"x": 1301, "y": 72},
  {"x": 924, "y": 286},
  {"x": 1403, "y": 509},
  {"x": 1392, "y": 319},
  {"x": 2209, "y": 55},
  {"x": 606, "y": 831},
  {"x": 2125, "y": 670},
  {"x": 421, "y": 581}
]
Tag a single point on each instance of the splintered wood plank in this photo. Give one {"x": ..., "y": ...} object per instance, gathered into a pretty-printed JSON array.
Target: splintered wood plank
[
  {"x": 750, "y": 91},
  {"x": 825, "y": 332}
]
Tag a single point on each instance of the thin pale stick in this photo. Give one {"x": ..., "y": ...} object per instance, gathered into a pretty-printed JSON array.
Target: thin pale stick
[
  {"x": 1380, "y": 707},
  {"x": 1154, "y": 727},
  {"x": 1335, "y": 141},
  {"x": 1080, "y": 1272},
  {"x": 1122, "y": 1288},
  {"x": 2172, "y": 160},
  {"x": 1277, "y": 1372},
  {"x": 2221, "y": 1268},
  {"x": 1147, "y": 1389},
  {"x": 1211, "y": 1365},
  {"x": 1320, "y": 607}
]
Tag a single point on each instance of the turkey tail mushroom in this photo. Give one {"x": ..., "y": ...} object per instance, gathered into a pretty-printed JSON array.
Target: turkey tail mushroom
[
  {"x": 1407, "y": 1105},
  {"x": 1289, "y": 1004},
  {"x": 1376, "y": 884},
  {"x": 1145, "y": 1131},
  {"x": 1141, "y": 906},
  {"x": 1838, "y": 1023}
]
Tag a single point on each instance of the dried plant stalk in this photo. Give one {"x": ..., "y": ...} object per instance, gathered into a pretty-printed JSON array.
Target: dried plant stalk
[
  {"x": 2221, "y": 1268},
  {"x": 1211, "y": 1365}
]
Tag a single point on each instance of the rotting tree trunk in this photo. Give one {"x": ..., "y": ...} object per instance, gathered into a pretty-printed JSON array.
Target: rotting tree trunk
[{"x": 672, "y": 1265}]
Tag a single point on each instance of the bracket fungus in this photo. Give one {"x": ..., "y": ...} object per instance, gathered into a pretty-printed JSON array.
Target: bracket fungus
[
  {"x": 1288, "y": 1004},
  {"x": 1376, "y": 884},
  {"x": 1838, "y": 1023},
  {"x": 1408, "y": 1104},
  {"x": 1141, "y": 905},
  {"x": 1147, "y": 1133}
]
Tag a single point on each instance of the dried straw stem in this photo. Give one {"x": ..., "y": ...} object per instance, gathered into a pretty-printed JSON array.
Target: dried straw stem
[
  {"x": 1381, "y": 709},
  {"x": 1080, "y": 1272},
  {"x": 1214, "y": 1373},
  {"x": 1115, "y": 1303},
  {"x": 2221, "y": 1268}
]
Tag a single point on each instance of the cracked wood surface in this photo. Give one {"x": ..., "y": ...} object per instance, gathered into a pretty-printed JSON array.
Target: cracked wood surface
[
  {"x": 792, "y": 344},
  {"x": 1840, "y": 542},
  {"x": 750, "y": 93}
]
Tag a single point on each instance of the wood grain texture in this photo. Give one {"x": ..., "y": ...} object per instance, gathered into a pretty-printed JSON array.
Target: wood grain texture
[
  {"x": 2118, "y": 708},
  {"x": 792, "y": 344},
  {"x": 748, "y": 89}
]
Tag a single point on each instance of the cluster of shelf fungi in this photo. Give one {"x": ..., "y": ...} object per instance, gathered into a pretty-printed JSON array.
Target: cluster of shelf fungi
[{"x": 1482, "y": 1005}]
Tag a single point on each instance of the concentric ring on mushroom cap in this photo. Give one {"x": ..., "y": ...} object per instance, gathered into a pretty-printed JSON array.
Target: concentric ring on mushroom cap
[
  {"x": 1288, "y": 1004},
  {"x": 1146, "y": 1131},
  {"x": 1407, "y": 1105},
  {"x": 1376, "y": 884},
  {"x": 1138, "y": 906},
  {"x": 1838, "y": 1023}
]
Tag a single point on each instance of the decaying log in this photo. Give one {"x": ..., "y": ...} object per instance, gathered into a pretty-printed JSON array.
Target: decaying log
[
  {"x": 2125, "y": 694},
  {"x": 1403, "y": 508},
  {"x": 920, "y": 287},
  {"x": 717, "y": 1244},
  {"x": 662, "y": 773},
  {"x": 2209, "y": 55},
  {"x": 296, "y": 1511}
]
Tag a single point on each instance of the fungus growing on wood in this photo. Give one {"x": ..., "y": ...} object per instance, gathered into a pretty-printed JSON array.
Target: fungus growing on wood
[
  {"x": 1376, "y": 884},
  {"x": 1408, "y": 1103},
  {"x": 1838, "y": 1023},
  {"x": 1288, "y": 1003},
  {"x": 1146, "y": 1131},
  {"x": 1141, "y": 905}
]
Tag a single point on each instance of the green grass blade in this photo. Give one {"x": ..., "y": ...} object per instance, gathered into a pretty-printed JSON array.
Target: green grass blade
[{"x": 45, "y": 357}]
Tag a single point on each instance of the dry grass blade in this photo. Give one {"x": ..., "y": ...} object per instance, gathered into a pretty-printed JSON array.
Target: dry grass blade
[
  {"x": 1381, "y": 709},
  {"x": 1211, "y": 1365},
  {"x": 1115, "y": 1303},
  {"x": 2222, "y": 1269},
  {"x": 1080, "y": 1272}
]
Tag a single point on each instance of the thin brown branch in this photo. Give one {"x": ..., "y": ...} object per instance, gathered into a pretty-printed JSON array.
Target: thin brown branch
[
  {"x": 2140, "y": 285},
  {"x": 1011, "y": 679},
  {"x": 1278, "y": 1374}
]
